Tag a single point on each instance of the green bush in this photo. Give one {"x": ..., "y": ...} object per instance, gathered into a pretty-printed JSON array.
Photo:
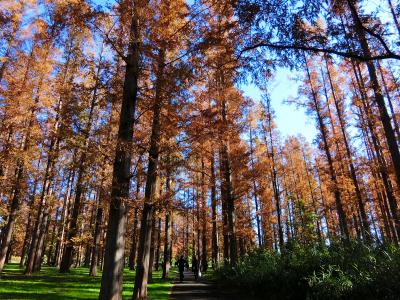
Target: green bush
[{"x": 338, "y": 271}]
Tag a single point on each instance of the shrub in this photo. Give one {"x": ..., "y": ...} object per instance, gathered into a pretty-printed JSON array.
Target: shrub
[{"x": 338, "y": 271}]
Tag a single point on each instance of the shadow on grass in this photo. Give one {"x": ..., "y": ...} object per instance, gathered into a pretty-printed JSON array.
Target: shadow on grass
[{"x": 50, "y": 284}]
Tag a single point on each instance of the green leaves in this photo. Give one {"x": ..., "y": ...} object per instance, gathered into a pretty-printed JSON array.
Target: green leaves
[{"x": 338, "y": 271}]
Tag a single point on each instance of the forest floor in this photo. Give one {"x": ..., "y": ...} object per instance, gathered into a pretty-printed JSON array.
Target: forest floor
[
  {"x": 201, "y": 289},
  {"x": 50, "y": 284}
]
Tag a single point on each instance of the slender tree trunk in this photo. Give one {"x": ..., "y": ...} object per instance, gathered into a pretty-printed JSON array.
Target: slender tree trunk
[
  {"x": 37, "y": 259},
  {"x": 379, "y": 100},
  {"x": 64, "y": 221},
  {"x": 274, "y": 176},
  {"x": 204, "y": 260},
  {"x": 172, "y": 240},
  {"x": 132, "y": 255},
  {"x": 97, "y": 236},
  {"x": 29, "y": 223},
  {"x": 259, "y": 237},
  {"x": 167, "y": 232},
  {"x": 89, "y": 245},
  {"x": 361, "y": 206},
  {"x": 68, "y": 254},
  {"x": 142, "y": 270},
  {"x": 50, "y": 259},
  {"x": 395, "y": 20},
  {"x": 389, "y": 98},
  {"x": 314, "y": 202},
  {"x": 157, "y": 256},
  {"x": 337, "y": 194},
  {"x": 152, "y": 248},
  {"x": 166, "y": 265},
  {"x": 366, "y": 110},
  {"x": 30, "y": 265},
  {"x": 224, "y": 210},
  {"x": 214, "y": 234},
  {"x": 111, "y": 281},
  {"x": 227, "y": 189}
]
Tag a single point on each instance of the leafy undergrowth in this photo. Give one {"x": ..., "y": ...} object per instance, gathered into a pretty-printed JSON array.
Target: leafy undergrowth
[
  {"x": 50, "y": 284},
  {"x": 352, "y": 271}
]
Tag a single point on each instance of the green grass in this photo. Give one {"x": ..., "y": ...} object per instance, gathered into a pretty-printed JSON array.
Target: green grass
[
  {"x": 209, "y": 275},
  {"x": 50, "y": 284}
]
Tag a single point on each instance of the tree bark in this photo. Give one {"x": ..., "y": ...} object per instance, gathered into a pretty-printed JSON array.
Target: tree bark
[
  {"x": 255, "y": 191},
  {"x": 111, "y": 281},
  {"x": 214, "y": 234},
  {"x": 204, "y": 261},
  {"x": 132, "y": 254},
  {"x": 152, "y": 248},
  {"x": 140, "y": 287},
  {"x": 97, "y": 235}
]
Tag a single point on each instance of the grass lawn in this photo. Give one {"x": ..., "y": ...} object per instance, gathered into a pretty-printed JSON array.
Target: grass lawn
[{"x": 50, "y": 284}]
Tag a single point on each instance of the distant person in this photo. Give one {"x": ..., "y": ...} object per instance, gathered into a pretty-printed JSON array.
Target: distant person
[
  {"x": 195, "y": 267},
  {"x": 181, "y": 267}
]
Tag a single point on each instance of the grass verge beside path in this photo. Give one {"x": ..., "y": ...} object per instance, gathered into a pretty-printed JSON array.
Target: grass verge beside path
[{"x": 50, "y": 284}]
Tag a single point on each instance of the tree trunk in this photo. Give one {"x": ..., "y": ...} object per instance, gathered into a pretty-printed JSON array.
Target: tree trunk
[
  {"x": 214, "y": 234},
  {"x": 132, "y": 255},
  {"x": 140, "y": 287},
  {"x": 361, "y": 206},
  {"x": 389, "y": 98},
  {"x": 111, "y": 281},
  {"x": 29, "y": 223},
  {"x": 379, "y": 100},
  {"x": 97, "y": 236},
  {"x": 227, "y": 197},
  {"x": 274, "y": 176},
  {"x": 152, "y": 249},
  {"x": 166, "y": 265},
  {"x": 337, "y": 194},
  {"x": 65, "y": 213},
  {"x": 259, "y": 237},
  {"x": 204, "y": 220},
  {"x": 393, "y": 12},
  {"x": 157, "y": 256},
  {"x": 366, "y": 110}
]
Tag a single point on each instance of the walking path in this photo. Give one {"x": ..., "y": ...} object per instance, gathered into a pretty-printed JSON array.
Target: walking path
[{"x": 191, "y": 289}]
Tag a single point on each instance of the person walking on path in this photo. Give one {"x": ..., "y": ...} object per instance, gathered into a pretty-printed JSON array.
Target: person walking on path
[
  {"x": 181, "y": 267},
  {"x": 195, "y": 267}
]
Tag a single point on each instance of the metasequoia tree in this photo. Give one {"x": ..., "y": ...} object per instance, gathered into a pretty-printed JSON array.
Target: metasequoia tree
[
  {"x": 111, "y": 282},
  {"x": 170, "y": 16},
  {"x": 128, "y": 123}
]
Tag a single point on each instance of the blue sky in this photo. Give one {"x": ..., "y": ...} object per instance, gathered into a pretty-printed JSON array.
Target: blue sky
[{"x": 289, "y": 119}]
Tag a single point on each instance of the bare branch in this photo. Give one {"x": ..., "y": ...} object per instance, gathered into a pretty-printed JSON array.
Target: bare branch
[{"x": 353, "y": 55}]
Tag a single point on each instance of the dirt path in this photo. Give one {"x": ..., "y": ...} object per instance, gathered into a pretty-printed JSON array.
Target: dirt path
[{"x": 191, "y": 289}]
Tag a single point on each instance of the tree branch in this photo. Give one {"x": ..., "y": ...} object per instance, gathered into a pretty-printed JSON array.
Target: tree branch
[{"x": 388, "y": 55}]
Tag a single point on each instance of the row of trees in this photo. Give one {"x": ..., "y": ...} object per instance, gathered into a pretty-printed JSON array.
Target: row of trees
[{"x": 125, "y": 139}]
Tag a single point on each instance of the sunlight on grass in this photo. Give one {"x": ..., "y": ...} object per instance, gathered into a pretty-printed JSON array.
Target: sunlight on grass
[{"x": 50, "y": 284}]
